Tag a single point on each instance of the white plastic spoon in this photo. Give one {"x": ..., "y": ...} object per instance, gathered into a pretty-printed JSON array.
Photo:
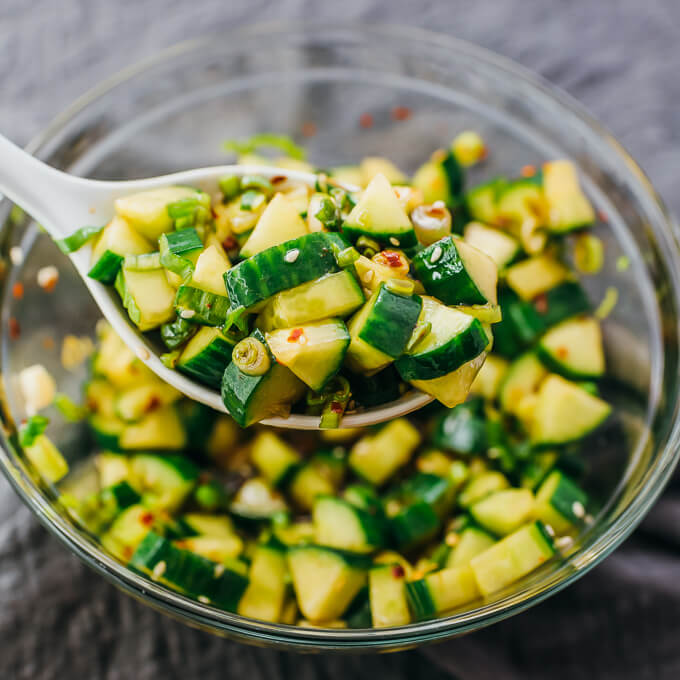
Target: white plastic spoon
[{"x": 61, "y": 203}]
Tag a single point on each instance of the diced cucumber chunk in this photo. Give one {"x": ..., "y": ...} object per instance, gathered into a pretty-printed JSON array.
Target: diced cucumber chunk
[
  {"x": 371, "y": 166},
  {"x": 490, "y": 377},
  {"x": 574, "y": 349},
  {"x": 117, "y": 240},
  {"x": 565, "y": 300},
  {"x": 219, "y": 526},
  {"x": 456, "y": 273},
  {"x": 308, "y": 483},
  {"x": 377, "y": 457},
  {"x": 256, "y": 500},
  {"x": 381, "y": 329},
  {"x": 565, "y": 412},
  {"x": 206, "y": 356},
  {"x": 481, "y": 201},
  {"x": 481, "y": 486},
  {"x": 325, "y": 580},
  {"x": 47, "y": 459},
  {"x": 274, "y": 458},
  {"x": 560, "y": 503},
  {"x": 568, "y": 207},
  {"x": 387, "y": 594},
  {"x": 112, "y": 468},
  {"x": 147, "y": 296},
  {"x": 512, "y": 558},
  {"x": 191, "y": 573},
  {"x": 133, "y": 403},
  {"x": 501, "y": 247},
  {"x": 439, "y": 179},
  {"x": 441, "y": 591},
  {"x": 340, "y": 524},
  {"x": 535, "y": 275},
  {"x": 163, "y": 481},
  {"x": 201, "y": 306},
  {"x": 268, "y": 585},
  {"x": 127, "y": 531},
  {"x": 147, "y": 211},
  {"x": 523, "y": 377},
  {"x": 314, "y": 352},
  {"x": 161, "y": 429},
  {"x": 462, "y": 430},
  {"x": 250, "y": 398},
  {"x": 503, "y": 511},
  {"x": 220, "y": 549},
  {"x": 472, "y": 541},
  {"x": 334, "y": 295},
  {"x": 454, "y": 339},
  {"x": 379, "y": 216},
  {"x": 209, "y": 271},
  {"x": 521, "y": 207},
  {"x": 284, "y": 266},
  {"x": 279, "y": 222},
  {"x": 179, "y": 251}
]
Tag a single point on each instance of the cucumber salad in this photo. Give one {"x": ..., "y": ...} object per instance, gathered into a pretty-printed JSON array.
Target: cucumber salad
[{"x": 330, "y": 300}]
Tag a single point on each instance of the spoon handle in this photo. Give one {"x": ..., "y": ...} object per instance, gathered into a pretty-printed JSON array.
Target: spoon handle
[{"x": 33, "y": 185}]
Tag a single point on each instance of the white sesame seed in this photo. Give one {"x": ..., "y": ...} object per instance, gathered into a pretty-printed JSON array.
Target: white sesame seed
[
  {"x": 302, "y": 340},
  {"x": 588, "y": 519},
  {"x": 368, "y": 276},
  {"x": 436, "y": 254},
  {"x": 159, "y": 569},
  {"x": 394, "y": 241},
  {"x": 16, "y": 254},
  {"x": 47, "y": 277},
  {"x": 439, "y": 204},
  {"x": 436, "y": 276},
  {"x": 549, "y": 530},
  {"x": 564, "y": 542},
  {"x": 142, "y": 353},
  {"x": 187, "y": 313},
  {"x": 291, "y": 255},
  {"x": 219, "y": 570},
  {"x": 203, "y": 599},
  {"x": 578, "y": 509}
]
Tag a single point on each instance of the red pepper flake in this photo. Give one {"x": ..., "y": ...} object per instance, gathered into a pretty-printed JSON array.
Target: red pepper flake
[
  {"x": 602, "y": 216},
  {"x": 295, "y": 334},
  {"x": 528, "y": 170},
  {"x": 393, "y": 259},
  {"x": 541, "y": 303},
  {"x": 401, "y": 113},
  {"x": 336, "y": 407},
  {"x": 278, "y": 179},
  {"x": 308, "y": 128},
  {"x": 229, "y": 243},
  {"x": 213, "y": 212},
  {"x": 146, "y": 519},
  {"x": 18, "y": 290},
  {"x": 366, "y": 120},
  {"x": 153, "y": 404},
  {"x": 398, "y": 571},
  {"x": 562, "y": 352},
  {"x": 127, "y": 552},
  {"x": 14, "y": 328}
]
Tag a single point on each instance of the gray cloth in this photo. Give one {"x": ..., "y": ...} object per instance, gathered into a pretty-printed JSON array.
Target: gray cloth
[{"x": 621, "y": 59}]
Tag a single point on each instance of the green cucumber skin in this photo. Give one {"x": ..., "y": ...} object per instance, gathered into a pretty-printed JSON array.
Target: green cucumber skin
[
  {"x": 564, "y": 301},
  {"x": 463, "y": 429},
  {"x": 454, "y": 175},
  {"x": 446, "y": 358},
  {"x": 194, "y": 574},
  {"x": 177, "y": 332},
  {"x": 446, "y": 278},
  {"x": 106, "y": 268},
  {"x": 380, "y": 388},
  {"x": 419, "y": 599},
  {"x": 564, "y": 497},
  {"x": 210, "y": 309},
  {"x": 352, "y": 559},
  {"x": 405, "y": 239},
  {"x": 122, "y": 494},
  {"x": 371, "y": 525},
  {"x": 266, "y": 273},
  {"x": 208, "y": 366},
  {"x": 556, "y": 366},
  {"x": 183, "y": 241},
  {"x": 414, "y": 525},
  {"x": 390, "y": 324}
]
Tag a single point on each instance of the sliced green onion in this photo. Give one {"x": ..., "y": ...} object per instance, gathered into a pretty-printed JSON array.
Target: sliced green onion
[
  {"x": 266, "y": 139},
  {"x": 257, "y": 182},
  {"x": 590, "y": 387},
  {"x": 367, "y": 246},
  {"x": 210, "y": 496},
  {"x": 142, "y": 263},
  {"x": 403, "y": 287},
  {"x": 347, "y": 257},
  {"x": 177, "y": 332},
  {"x": 328, "y": 213},
  {"x": 32, "y": 429},
  {"x": 230, "y": 186},
  {"x": 251, "y": 200},
  {"x": 431, "y": 222},
  {"x": 169, "y": 359},
  {"x": 71, "y": 411},
  {"x": 588, "y": 254},
  {"x": 190, "y": 211},
  {"x": 611, "y": 297},
  {"x": 251, "y": 357},
  {"x": 236, "y": 322},
  {"x": 77, "y": 239}
]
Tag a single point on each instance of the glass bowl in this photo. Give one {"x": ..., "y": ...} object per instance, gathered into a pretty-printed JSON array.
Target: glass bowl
[{"x": 172, "y": 113}]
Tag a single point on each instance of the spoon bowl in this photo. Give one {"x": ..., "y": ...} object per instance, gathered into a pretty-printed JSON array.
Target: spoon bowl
[{"x": 62, "y": 203}]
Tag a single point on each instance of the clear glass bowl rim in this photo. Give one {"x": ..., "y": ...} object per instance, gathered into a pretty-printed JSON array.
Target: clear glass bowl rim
[{"x": 259, "y": 632}]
